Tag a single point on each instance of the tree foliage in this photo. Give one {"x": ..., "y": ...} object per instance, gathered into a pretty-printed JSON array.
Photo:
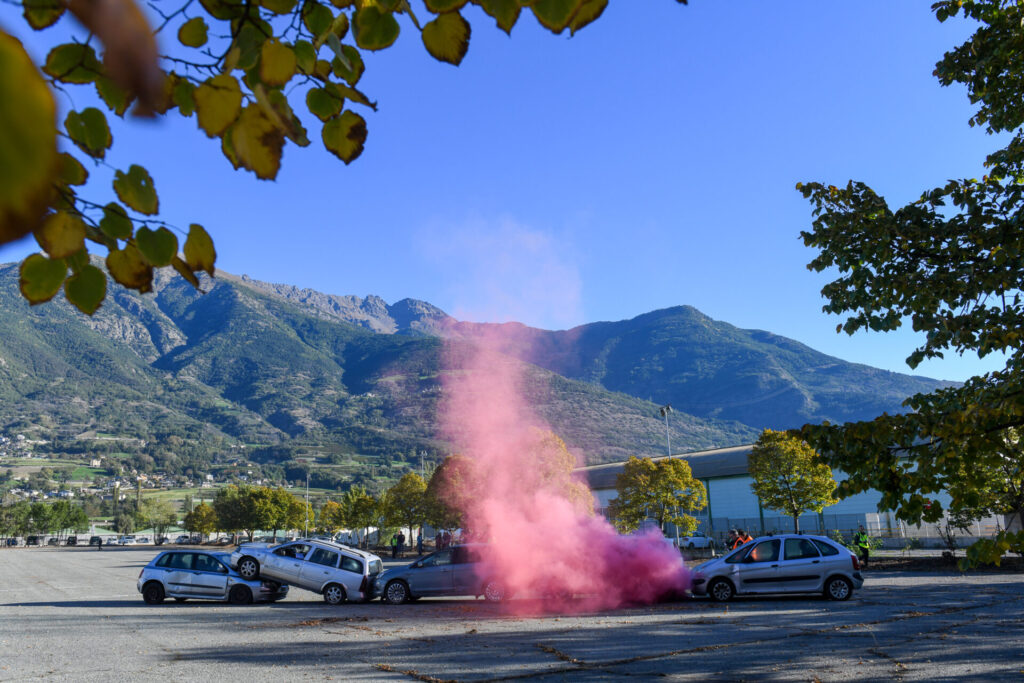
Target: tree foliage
[
  {"x": 452, "y": 487},
  {"x": 247, "y": 71},
  {"x": 789, "y": 476},
  {"x": 158, "y": 514},
  {"x": 664, "y": 490},
  {"x": 952, "y": 262},
  {"x": 404, "y": 504},
  {"x": 361, "y": 510},
  {"x": 202, "y": 519}
]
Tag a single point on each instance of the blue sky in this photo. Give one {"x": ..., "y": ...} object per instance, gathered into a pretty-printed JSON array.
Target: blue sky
[{"x": 647, "y": 162}]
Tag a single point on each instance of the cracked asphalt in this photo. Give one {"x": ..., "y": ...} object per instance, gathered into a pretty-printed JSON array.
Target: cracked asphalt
[{"x": 74, "y": 614}]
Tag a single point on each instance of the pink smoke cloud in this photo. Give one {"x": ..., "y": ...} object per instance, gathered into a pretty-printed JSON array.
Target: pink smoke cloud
[{"x": 543, "y": 541}]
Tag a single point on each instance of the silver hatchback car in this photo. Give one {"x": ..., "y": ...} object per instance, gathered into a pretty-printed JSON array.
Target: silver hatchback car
[
  {"x": 336, "y": 571},
  {"x": 185, "y": 574},
  {"x": 789, "y": 563}
]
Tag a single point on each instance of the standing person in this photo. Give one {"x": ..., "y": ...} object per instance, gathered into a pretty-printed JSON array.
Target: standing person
[
  {"x": 732, "y": 540},
  {"x": 437, "y": 541},
  {"x": 401, "y": 542},
  {"x": 419, "y": 542},
  {"x": 394, "y": 546},
  {"x": 744, "y": 537},
  {"x": 863, "y": 543}
]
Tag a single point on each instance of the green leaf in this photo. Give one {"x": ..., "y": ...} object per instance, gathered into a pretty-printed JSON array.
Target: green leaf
[
  {"x": 71, "y": 170},
  {"x": 447, "y": 37},
  {"x": 279, "y": 6},
  {"x": 193, "y": 32},
  {"x": 352, "y": 71},
  {"x": 127, "y": 267},
  {"x": 257, "y": 143},
  {"x": 43, "y": 13},
  {"x": 317, "y": 18},
  {"x": 354, "y": 95},
  {"x": 324, "y": 105},
  {"x": 199, "y": 251},
  {"x": 73, "y": 63},
  {"x": 135, "y": 188},
  {"x": 157, "y": 247},
  {"x": 249, "y": 41},
  {"x": 218, "y": 103},
  {"x": 555, "y": 15},
  {"x": 440, "y": 6},
  {"x": 184, "y": 271},
  {"x": 113, "y": 95},
  {"x": 277, "y": 63},
  {"x": 183, "y": 96},
  {"x": 78, "y": 260},
  {"x": 40, "y": 278},
  {"x": 115, "y": 222},
  {"x": 589, "y": 11},
  {"x": 28, "y": 116},
  {"x": 86, "y": 289},
  {"x": 374, "y": 30},
  {"x": 505, "y": 12},
  {"x": 89, "y": 131},
  {"x": 305, "y": 56},
  {"x": 345, "y": 136},
  {"x": 223, "y": 9},
  {"x": 61, "y": 234}
]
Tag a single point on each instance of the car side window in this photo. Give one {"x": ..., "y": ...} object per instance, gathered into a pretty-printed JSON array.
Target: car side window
[
  {"x": 466, "y": 555},
  {"x": 765, "y": 551},
  {"x": 164, "y": 560},
  {"x": 205, "y": 563},
  {"x": 438, "y": 559},
  {"x": 825, "y": 548},
  {"x": 350, "y": 564},
  {"x": 324, "y": 557},
  {"x": 799, "y": 548},
  {"x": 180, "y": 561},
  {"x": 739, "y": 555}
]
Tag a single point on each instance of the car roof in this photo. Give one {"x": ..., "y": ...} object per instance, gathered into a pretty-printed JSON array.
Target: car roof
[{"x": 337, "y": 546}]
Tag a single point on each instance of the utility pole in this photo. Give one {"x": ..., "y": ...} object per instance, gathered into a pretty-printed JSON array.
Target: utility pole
[
  {"x": 665, "y": 410},
  {"x": 306, "y": 535}
]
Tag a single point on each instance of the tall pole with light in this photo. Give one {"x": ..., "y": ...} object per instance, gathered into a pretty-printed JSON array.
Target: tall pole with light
[
  {"x": 306, "y": 535},
  {"x": 665, "y": 410}
]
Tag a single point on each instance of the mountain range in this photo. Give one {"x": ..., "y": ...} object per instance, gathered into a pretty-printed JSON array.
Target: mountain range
[{"x": 279, "y": 373}]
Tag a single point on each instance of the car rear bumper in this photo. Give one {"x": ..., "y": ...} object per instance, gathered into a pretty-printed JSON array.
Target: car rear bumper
[{"x": 858, "y": 579}]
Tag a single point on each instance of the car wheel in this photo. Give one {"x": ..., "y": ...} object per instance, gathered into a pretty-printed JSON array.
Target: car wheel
[
  {"x": 838, "y": 588},
  {"x": 180, "y": 599},
  {"x": 396, "y": 592},
  {"x": 721, "y": 590},
  {"x": 690, "y": 546},
  {"x": 153, "y": 593},
  {"x": 334, "y": 594},
  {"x": 240, "y": 595},
  {"x": 494, "y": 591},
  {"x": 248, "y": 568}
]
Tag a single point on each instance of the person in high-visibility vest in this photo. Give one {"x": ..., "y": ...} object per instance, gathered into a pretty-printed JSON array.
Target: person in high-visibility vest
[
  {"x": 863, "y": 543},
  {"x": 732, "y": 541},
  {"x": 744, "y": 537}
]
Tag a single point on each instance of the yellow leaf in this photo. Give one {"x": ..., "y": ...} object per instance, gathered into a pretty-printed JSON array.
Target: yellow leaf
[
  {"x": 345, "y": 136},
  {"x": 257, "y": 143},
  {"x": 61, "y": 235},
  {"x": 28, "y": 154},
  {"x": 218, "y": 103},
  {"x": 128, "y": 267},
  {"x": 199, "y": 251},
  {"x": 277, "y": 63},
  {"x": 447, "y": 37}
]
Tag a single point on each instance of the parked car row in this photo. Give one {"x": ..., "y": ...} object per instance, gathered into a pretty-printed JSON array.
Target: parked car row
[{"x": 790, "y": 563}]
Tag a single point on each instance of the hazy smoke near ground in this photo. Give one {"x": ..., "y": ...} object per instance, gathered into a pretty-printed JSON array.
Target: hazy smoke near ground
[{"x": 544, "y": 539}]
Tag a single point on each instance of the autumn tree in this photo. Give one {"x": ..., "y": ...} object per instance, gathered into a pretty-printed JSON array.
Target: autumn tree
[
  {"x": 244, "y": 70},
  {"x": 158, "y": 514},
  {"x": 202, "y": 519},
  {"x": 361, "y": 510},
  {"x": 664, "y": 491},
  {"x": 789, "y": 476},
  {"x": 404, "y": 503},
  {"x": 277, "y": 509},
  {"x": 453, "y": 485},
  {"x": 951, "y": 263},
  {"x": 331, "y": 517}
]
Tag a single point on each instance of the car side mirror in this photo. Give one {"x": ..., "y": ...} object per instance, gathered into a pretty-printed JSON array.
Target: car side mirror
[{"x": 417, "y": 565}]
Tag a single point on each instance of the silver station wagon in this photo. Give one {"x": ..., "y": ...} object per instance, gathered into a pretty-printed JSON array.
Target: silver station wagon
[
  {"x": 788, "y": 563},
  {"x": 187, "y": 574},
  {"x": 336, "y": 571}
]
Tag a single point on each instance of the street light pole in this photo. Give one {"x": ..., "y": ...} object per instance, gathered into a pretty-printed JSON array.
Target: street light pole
[
  {"x": 665, "y": 410},
  {"x": 307, "y": 506}
]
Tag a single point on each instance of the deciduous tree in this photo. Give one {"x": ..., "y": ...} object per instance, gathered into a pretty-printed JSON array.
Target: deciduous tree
[
  {"x": 664, "y": 490},
  {"x": 952, "y": 263},
  {"x": 361, "y": 510},
  {"x": 452, "y": 487},
  {"x": 158, "y": 514},
  {"x": 201, "y": 520},
  {"x": 404, "y": 504},
  {"x": 789, "y": 476}
]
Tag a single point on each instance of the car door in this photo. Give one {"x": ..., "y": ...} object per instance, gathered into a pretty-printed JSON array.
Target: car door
[
  {"x": 433, "y": 574},
  {"x": 285, "y": 563},
  {"x": 801, "y": 568},
  {"x": 319, "y": 566},
  {"x": 209, "y": 577},
  {"x": 465, "y": 580},
  {"x": 759, "y": 570},
  {"x": 177, "y": 573}
]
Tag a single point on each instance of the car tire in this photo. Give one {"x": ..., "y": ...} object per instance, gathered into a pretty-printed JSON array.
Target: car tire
[
  {"x": 838, "y": 588},
  {"x": 248, "y": 568},
  {"x": 180, "y": 599},
  {"x": 690, "y": 546},
  {"x": 240, "y": 595},
  {"x": 334, "y": 594},
  {"x": 494, "y": 591},
  {"x": 721, "y": 590},
  {"x": 396, "y": 592},
  {"x": 153, "y": 593}
]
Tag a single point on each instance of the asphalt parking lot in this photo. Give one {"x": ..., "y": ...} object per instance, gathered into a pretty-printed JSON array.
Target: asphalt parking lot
[{"x": 74, "y": 614}]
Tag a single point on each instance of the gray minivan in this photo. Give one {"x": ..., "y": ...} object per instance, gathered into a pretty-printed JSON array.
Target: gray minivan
[{"x": 452, "y": 571}]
